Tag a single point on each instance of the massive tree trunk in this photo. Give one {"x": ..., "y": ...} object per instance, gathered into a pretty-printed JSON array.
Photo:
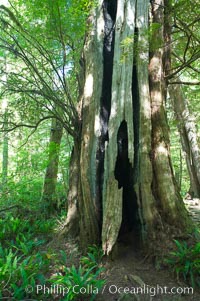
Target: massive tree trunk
[
  {"x": 126, "y": 183},
  {"x": 188, "y": 134},
  {"x": 49, "y": 187}
]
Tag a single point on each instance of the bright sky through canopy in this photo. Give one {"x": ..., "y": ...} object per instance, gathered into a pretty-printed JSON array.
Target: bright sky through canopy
[{"x": 4, "y": 2}]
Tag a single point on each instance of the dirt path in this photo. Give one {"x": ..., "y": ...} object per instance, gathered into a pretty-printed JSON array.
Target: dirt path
[
  {"x": 193, "y": 207},
  {"x": 131, "y": 273},
  {"x": 132, "y": 277}
]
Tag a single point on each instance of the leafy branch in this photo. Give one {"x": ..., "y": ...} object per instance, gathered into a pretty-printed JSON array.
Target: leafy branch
[{"x": 40, "y": 71}]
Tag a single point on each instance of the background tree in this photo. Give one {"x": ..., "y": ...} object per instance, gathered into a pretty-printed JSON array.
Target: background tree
[
  {"x": 182, "y": 41},
  {"x": 4, "y": 110},
  {"x": 189, "y": 139},
  {"x": 5, "y": 148},
  {"x": 44, "y": 83},
  {"x": 43, "y": 66},
  {"x": 49, "y": 197}
]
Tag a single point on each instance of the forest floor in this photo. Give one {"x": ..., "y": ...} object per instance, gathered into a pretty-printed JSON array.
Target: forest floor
[
  {"x": 131, "y": 273},
  {"x": 193, "y": 207},
  {"x": 32, "y": 251},
  {"x": 133, "y": 276}
]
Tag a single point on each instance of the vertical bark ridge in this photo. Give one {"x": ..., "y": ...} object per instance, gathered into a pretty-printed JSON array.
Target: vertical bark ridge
[
  {"x": 91, "y": 130},
  {"x": 136, "y": 106},
  {"x": 147, "y": 207},
  {"x": 109, "y": 14},
  {"x": 71, "y": 226}
]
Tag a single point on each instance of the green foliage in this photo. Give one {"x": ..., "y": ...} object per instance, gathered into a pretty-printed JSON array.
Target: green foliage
[
  {"x": 14, "y": 229},
  {"x": 185, "y": 262},
  {"x": 25, "y": 192},
  {"x": 82, "y": 281},
  {"x": 149, "y": 38},
  {"x": 185, "y": 32},
  {"x": 126, "y": 47},
  {"x": 197, "y": 233},
  {"x": 41, "y": 44},
  {"x": 154, "y": 36},
  {"x": 177, "y": 155},
  {"x": 24, "y": 263},
  {"x": 21, "y": 262},
  {"x": 26, "y": 171},
  {"x": 17, "y": 272},
  {"x": 93, "y": 257}
]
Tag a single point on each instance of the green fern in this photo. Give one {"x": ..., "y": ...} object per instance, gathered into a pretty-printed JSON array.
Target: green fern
[{"x": 185, "y": 262}]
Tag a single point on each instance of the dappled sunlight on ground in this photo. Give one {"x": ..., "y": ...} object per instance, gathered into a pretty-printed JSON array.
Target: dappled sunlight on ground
[{"x": 193, "y": 207}]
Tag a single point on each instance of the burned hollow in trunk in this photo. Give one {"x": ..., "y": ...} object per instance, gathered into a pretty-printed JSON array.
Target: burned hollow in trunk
[
  {"x": 125, "y": 171},
  {"x": 124, "y": 175},
  {"x": 104, "y": 199}
]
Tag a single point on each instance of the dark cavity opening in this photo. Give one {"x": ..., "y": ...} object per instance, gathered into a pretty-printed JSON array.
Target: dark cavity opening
[
  {"x": 109, "y": 13},
  {"x": 124, "y": 174}
]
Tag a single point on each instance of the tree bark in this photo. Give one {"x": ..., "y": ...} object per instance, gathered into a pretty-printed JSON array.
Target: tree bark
[
  {"x": 49, "y": 187},
  {"x": 165, "y": 190},
  {"x": 188, "y": 134},
  {"x": 126, "y": 183},
  {"x": 71, "y": 225},
  {"x": 5, "y": 150}
]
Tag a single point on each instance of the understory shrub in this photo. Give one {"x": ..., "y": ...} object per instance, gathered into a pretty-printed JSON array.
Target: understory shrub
[
  {"x": 185, "y": 262},
  {"x": 82, "y": 282},
  {"x": 25, "y": 263}
]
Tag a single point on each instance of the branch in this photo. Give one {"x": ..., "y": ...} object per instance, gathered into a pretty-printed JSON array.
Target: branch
[
  {"x": 194, "y": 21},
  {"x": 11, "y": 15},
  {"x": 186, "y": 29},
  {"x": 184, "y": 83},
  {"x": 32, "y": 41},
  {"x": 187, "y": 47},
  {"x": 35, "y": 126},
  {"x": 185, "y": 64},
  {"x": 182, "y": 61},
  {"x": 47, "y": 82}
]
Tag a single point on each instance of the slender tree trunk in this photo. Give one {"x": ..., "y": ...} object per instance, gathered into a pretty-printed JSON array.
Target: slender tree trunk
[
  {"x": 5, "y": 138},
  {"x": 5, "y": 151},
  {"x": 126, "y": 184},
  {"x": 72, "y": 221},
  {"x": 188, "y": 134},
  {"x": 49, "y": 188}
]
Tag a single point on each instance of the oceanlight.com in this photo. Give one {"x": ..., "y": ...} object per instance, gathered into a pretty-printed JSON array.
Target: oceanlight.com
[
  {"x": 113, "y": 289},
  {"x": 150, "y": 290}
]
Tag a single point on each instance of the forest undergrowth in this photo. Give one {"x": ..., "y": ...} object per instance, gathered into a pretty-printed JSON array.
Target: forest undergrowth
[{"x": 35, "y": 264}]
